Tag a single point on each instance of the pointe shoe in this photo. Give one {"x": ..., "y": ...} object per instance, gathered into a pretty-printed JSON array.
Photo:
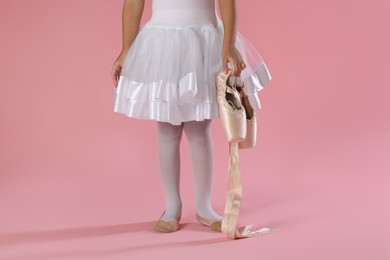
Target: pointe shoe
[
  {"x": 167, "y": 226},
  {"x": 251, "y": 125},
  {"x": 214, "y": 225},
  {"x": 231, "y": 110}
]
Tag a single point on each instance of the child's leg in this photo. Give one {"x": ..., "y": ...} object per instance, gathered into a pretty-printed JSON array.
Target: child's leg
[
  {"x": 201, "y": 147},
  {"x": 169, "y": 137}
]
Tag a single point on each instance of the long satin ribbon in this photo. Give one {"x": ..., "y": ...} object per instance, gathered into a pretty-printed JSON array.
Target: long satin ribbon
[{"x": 233, "y": 201}]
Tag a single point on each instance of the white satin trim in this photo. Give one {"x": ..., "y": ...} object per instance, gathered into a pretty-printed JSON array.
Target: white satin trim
[
  {"x": 188, "y": 87},
  {"x": 163, "y": 101}
]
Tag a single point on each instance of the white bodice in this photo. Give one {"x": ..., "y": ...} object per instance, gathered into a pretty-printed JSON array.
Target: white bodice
[{"x": 183, "y": 12}]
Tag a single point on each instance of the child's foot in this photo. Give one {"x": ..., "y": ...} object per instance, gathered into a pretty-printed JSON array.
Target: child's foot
[
  {"x": 169, "y": 221},
  {"x": 215, "y": 225},
  {"x": 172, "y": 212},
  {"x": 207, "y": 216},
  {"x": 167, "y": 226},
  {"x": 209, "y": 213}
]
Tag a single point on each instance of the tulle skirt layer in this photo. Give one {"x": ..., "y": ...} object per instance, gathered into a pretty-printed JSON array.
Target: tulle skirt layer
[{"x": 169, "y": 73}]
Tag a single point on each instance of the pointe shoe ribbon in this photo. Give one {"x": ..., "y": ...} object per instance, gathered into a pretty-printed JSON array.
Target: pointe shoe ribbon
[{"x": 234, "y": 121}]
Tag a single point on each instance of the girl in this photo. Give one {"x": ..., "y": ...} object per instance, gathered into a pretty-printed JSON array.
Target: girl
[{"x": 166, "y": 72}]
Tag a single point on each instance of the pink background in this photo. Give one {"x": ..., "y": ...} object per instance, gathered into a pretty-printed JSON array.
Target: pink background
[{"x": 79, "y": 181}]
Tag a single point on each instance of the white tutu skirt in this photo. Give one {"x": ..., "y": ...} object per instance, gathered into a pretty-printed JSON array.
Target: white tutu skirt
[{"x": 169, "y": 73}]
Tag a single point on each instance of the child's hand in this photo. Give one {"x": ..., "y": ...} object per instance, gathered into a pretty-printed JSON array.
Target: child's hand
[
  {"x": 117, "y": 68},
  {"x": 231, "y": 55}
]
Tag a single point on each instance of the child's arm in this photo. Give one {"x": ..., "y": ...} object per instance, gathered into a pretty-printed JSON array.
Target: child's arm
[
  {"x": 230, "y": 53},
  {"x": 131, "y": 19},
  {"x": 229, "y": 19}
]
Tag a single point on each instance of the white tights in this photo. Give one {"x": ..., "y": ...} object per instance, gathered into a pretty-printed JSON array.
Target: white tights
[{"x": 201, "y": 150}]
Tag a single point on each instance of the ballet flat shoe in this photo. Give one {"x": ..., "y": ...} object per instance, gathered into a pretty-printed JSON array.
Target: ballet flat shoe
[
  {"x": 231, "y": 110},
  {"x": 251, "y": 124},
  {"x": 167, "y": 226},
  {"x": 213, "y": 225}
]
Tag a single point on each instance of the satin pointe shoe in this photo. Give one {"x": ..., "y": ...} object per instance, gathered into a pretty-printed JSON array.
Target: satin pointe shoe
[
  {"x": 251, "y": 124},
  {"x": 231, "y": 110},
  {"x": 213, "y": 225},
  {"x": 167, "y": 226}
]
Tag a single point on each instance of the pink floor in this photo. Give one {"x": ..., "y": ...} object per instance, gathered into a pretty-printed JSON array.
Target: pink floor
[
  {"x": 78, "y": 181},
  {"x": 329, "y": 204}
]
